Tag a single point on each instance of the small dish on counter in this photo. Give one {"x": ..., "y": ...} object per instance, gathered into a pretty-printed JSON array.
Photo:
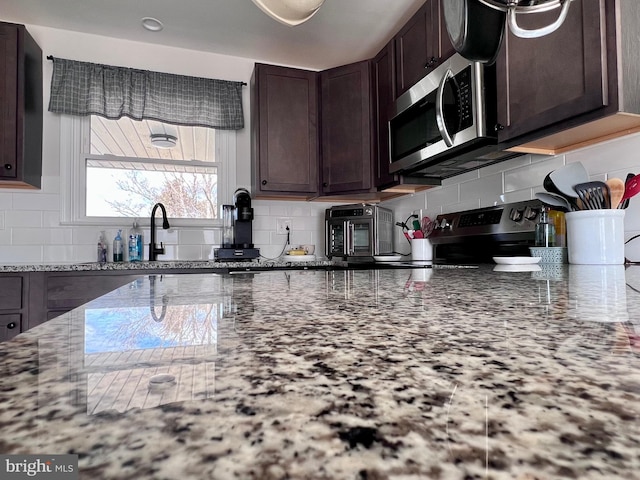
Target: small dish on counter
[
  {"x": 526, "y": 267},
  {"x": 299, "y": 258},
  {"x": 516, "y": 260},
  {"x": 387, "y": 258}
]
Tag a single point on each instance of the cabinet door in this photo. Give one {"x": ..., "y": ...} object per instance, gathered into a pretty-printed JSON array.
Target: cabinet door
[
  {"x": 285, "y": 131},
  {"x": 8, "y": 101},
  {"x": 346, "y": 129},
  {"x": 445, "y": 47},
  {"x": 383, "y": 86},
  {"x": 415, "y": 52},
  {"x": 11, "y": 286},
  {"x": 550, "y": 79}
]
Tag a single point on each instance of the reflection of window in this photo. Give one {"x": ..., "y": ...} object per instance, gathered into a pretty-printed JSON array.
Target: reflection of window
[{"x": 115, "y": 171}]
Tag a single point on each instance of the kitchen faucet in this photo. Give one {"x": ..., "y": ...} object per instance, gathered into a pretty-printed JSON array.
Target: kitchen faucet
[{"x": 154, "y": 251}]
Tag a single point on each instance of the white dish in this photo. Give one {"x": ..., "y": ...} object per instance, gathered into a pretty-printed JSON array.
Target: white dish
[
  {"x": 516, "y": 260},
  {"x": 299, "y": 258},
  {"x": 530, "y": 267},
  {"x": 387, "y": 258}
]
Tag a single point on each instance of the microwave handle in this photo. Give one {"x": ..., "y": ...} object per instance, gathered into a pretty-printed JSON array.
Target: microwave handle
[{"x": 440, "y": 109}]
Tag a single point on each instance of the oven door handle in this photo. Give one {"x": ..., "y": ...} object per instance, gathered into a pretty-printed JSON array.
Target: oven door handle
[
  {"x": 350, "y": 236},
  {"x": 440, "y": 109}
]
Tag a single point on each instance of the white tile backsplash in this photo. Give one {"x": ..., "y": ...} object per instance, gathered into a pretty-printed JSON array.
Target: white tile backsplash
[{"x": 20, "y": 218}]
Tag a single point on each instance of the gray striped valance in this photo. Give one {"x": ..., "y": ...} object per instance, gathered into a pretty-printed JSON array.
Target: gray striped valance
[{"x": 82, "y": 88}]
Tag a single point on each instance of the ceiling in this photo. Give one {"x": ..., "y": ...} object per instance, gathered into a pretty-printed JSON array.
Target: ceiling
[{"x": 343, "y": 31}]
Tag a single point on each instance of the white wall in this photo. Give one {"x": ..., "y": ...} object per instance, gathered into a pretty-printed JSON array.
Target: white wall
[
  {"x": 520, "y": 178},
  {"x": 30, "y": 229}
]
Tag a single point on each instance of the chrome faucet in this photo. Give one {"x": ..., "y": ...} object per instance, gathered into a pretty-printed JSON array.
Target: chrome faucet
[{"x": 154, "y": 250}]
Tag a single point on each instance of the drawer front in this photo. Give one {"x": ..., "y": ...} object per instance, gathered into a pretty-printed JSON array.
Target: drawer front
[
  {"x": 71, "y": 291},
  {"x": 9, "y": 326},
  {"x": 10, "y": 293}
]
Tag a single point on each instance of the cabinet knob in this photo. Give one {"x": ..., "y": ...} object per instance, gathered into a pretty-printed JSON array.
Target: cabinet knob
[
  {"x": 432, "y": 61},
  {"x": 264, "y": 182},
  {"x": 498, "y": 127},
  {"x": 325, "y": 184},
  {"x": 11, "y": 325},
  {"x": 8, "y": 166}
]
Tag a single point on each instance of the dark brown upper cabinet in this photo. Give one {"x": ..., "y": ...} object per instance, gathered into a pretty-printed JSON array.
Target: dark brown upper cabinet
[
  {"x": 21, "y": 108},
  {"x": 421, "y": 45},
  {"x": 346, "y": 129},
  {"x": 549, "y": 79},
  {"x": 383, "y": 88},
  {"x": 576, "y": 86},
  {"x": 284, "y": 126}
]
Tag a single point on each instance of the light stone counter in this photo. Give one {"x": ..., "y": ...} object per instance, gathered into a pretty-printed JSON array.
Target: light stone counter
[
  {"x": 366, "y": 374},
  {"x": 281, "y": 262}
]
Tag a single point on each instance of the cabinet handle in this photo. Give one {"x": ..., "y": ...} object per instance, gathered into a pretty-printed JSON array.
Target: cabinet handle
[
  {"x": 498, "y": 127},
  {"x": 264, "y": 182},
  {"x": 8, "y": 166},
  {"x": 11, "y": 325},
  {"x": 432, "y": 61}
]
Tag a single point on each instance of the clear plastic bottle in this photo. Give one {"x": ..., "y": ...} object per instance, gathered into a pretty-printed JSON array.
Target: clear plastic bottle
[
  {"x": 545, "y": 230},
  {"x": 102, "y": 248},
  {"x": 118, "y": 251},
  {"x": 135, "y": 244}
]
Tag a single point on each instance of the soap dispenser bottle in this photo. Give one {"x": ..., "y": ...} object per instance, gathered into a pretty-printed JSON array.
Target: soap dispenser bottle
[
  {"x": 545, "y": 230},
  {"x": 118, "y": 252},
  {"x": 135, "y": 244}
]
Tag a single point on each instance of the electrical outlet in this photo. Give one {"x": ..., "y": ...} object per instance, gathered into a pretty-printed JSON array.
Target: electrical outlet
[{"x": 282, "y": 223}]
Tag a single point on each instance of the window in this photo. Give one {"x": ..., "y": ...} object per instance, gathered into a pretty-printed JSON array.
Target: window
[{"x": 118, "y": 169}]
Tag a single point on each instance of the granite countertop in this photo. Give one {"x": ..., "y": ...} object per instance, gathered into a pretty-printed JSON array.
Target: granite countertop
[
  {"x": 281, "y": 262},
  {"x": 313, "y": 374}
]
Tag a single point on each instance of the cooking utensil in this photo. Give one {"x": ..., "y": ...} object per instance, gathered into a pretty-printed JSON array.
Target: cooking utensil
[
  {"x": 625, "y": 202},
  {"x": 427, "y": 226},
  {"x": 616, "y": 190},
  {"x": 553, "y": 200},
  {"x": 632, "y": 187},
  {"x": 551, "y": 187},
  {"x": 595, "y": 195},
  {"x": 475, "y": 29},
  {"x": 565, "y": 177}
]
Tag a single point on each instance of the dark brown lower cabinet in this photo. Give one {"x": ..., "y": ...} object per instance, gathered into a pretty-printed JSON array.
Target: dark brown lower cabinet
[{"x": 54, "y": 293}]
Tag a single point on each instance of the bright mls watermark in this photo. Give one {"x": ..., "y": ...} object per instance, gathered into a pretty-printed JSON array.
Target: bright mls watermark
[{"x": 39, "y": 467}]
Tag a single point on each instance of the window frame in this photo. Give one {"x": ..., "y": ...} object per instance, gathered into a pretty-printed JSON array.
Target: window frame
[{"x": 75, "y": 135}]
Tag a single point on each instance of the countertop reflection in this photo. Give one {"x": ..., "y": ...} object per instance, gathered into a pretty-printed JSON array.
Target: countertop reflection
[{"x": 424, "y": 373}]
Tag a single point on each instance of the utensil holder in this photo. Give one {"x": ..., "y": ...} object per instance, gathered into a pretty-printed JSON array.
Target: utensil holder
[
  {"x": 421, "y": 250},
  {"x": 596, "y": 237}
]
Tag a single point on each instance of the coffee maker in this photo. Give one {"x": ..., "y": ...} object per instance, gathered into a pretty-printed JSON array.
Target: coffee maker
[{"x": 237, "y": 236}]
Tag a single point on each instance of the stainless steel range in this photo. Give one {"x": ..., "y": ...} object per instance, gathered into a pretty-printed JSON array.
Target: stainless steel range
[{"x": 475, "y": 236}]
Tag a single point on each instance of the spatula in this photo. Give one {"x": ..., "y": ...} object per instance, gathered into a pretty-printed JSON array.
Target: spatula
[
  {"x": 594, "y": 195},
  {"x": 625, "y": 201},
  {"x": 616, "y": 190}
]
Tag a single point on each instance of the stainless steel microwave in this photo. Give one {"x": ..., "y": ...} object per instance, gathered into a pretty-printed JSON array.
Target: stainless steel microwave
[
  {"x": 357, "y": 231},
  {"x": 445, "y": 124}
]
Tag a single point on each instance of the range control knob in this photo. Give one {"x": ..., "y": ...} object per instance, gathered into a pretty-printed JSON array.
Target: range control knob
[
  {"x": 444, "y": 224},
  {"x": 530, "y": 213},
  {"x": 516, "y": 214}
]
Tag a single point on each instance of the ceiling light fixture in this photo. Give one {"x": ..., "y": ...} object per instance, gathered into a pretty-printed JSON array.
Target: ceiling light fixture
[
  {"x": 290, "y": 12},
  {"x": 152, "y": 24},
  {"x": 163, "y": 140}
]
